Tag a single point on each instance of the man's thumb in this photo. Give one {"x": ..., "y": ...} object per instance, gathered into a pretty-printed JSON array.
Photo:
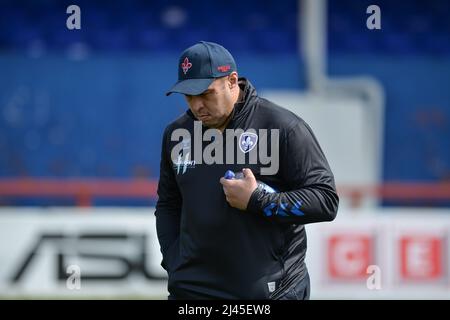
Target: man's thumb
[{"x": 248, "y": 174}]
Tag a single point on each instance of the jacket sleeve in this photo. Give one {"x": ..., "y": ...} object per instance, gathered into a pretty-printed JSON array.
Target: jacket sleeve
[
  {"x": 168, "y": 208},
  {"x": 311, "y": 193}
]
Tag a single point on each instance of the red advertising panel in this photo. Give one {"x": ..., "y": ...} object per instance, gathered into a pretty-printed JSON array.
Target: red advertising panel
[
  {"x": 421, "y": 257},
  {"x": 349, "y": 255}
]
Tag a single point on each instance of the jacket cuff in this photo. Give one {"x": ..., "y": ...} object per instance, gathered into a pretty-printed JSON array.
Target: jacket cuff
[{"x": 254, "y": 204}]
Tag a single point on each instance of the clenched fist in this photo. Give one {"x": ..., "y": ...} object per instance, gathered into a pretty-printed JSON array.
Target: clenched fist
[{"x": 239, "y": 191}]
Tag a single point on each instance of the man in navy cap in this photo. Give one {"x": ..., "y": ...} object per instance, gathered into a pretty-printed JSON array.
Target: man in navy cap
[
  {"x": 232, "y": 238},
  {"x": 207, "y": 77}
]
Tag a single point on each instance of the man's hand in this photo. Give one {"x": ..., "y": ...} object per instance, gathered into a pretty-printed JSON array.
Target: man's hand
[{"x": 239, "y": 191}]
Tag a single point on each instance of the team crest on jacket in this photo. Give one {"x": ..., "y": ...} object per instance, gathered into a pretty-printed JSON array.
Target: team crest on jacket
[{"x": 247, "y": 141}]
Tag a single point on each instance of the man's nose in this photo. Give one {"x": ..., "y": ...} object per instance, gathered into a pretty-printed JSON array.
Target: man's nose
[{"x": 196, "y": 104}]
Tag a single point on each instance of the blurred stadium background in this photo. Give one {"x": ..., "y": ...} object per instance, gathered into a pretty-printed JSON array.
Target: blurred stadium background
[{"x": 82, "y": 114}]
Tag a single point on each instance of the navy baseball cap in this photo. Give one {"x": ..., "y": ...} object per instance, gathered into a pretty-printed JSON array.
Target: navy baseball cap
[{"x": 200, "y": 65}]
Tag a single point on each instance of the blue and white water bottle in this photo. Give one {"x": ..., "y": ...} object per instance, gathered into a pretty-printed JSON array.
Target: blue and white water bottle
[{"x": 239, "y": 175}]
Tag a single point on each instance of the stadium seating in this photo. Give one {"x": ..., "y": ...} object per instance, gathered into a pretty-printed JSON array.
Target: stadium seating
[{"x": 85, "y": 103}]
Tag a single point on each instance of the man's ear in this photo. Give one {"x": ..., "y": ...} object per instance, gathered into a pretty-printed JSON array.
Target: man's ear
[{"x": 233, "y": 79}]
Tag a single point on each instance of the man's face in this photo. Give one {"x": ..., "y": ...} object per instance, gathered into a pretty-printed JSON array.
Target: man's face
[{"x": 214, "y": 105}]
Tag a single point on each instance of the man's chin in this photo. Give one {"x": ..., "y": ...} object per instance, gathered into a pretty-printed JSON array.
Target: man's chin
[
  {"x": 212, "y": 124},
  {"x": 209, "y": 124}
]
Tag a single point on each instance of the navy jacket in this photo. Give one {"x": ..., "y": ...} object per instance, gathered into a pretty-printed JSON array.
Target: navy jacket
[{"x": 214, "y": 251}]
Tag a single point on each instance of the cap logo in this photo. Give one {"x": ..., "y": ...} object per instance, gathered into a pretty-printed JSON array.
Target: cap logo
[
  {"x": 224, "y": 68},
  {"x": 186, "y": 65}
]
